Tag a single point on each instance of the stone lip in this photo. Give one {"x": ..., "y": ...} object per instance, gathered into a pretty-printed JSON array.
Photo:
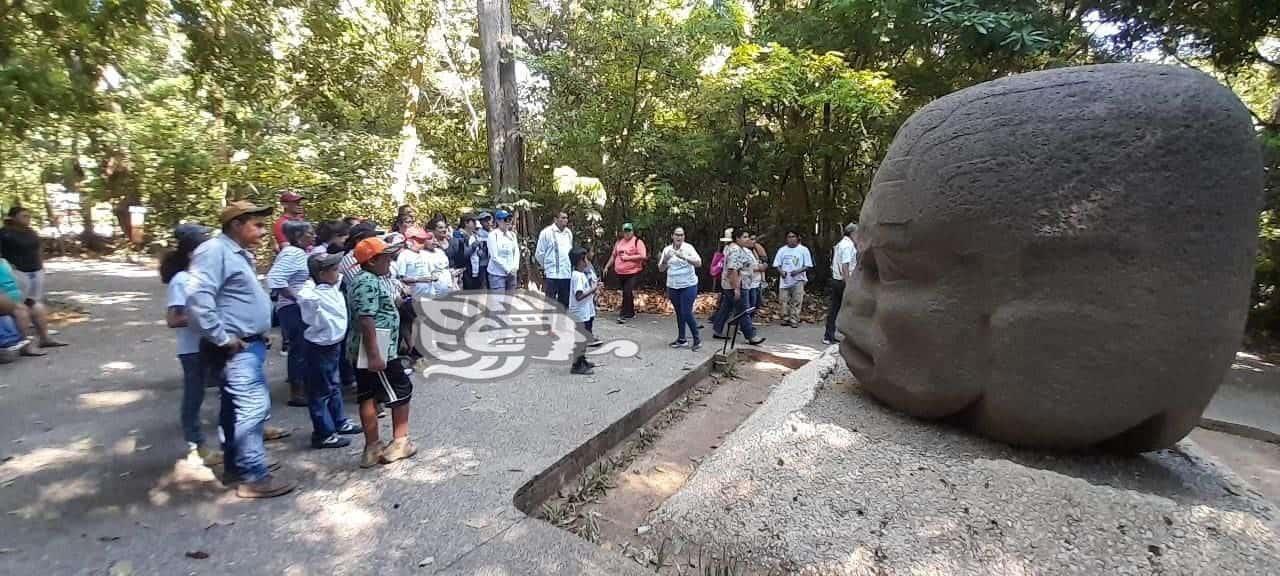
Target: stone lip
[{"x": 823, "y": 479}]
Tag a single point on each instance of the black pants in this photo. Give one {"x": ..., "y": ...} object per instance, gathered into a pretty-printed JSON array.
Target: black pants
[
  {"x": 470, "y": 282},
  {"x": 836, "y": 288},
  {"x": 557, "y": 289},
  {"x": 628, "y": 282}
]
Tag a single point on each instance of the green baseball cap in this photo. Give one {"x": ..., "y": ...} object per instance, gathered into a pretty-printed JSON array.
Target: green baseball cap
[{"x": 627, "y": 227}]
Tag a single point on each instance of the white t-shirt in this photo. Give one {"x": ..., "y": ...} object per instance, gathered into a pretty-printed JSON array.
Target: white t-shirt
[
  {"x": 324, "y": 311},
  {"x": 789, "y": 259},
  {"x": 188, "y": 336},
  {"x": 425, "y": 264},
  {"x": 845, "y": 253},
  {"x": 504, "y": 253},
  {"x": 680, "y": 274},
  {"x": 584, "y": 309}
]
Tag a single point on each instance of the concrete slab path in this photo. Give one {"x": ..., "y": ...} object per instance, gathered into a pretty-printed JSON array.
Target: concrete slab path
[{"x": 93, "y": 481}]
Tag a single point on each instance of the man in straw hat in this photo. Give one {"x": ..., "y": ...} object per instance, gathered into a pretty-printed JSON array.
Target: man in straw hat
[{"x": 232, "y": 312}]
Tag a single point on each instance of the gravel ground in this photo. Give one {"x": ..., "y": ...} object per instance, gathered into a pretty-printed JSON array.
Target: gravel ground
[{"x": 824, "y": 480}]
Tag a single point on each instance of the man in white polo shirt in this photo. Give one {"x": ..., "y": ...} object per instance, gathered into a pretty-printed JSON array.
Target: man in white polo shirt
[
  {"x": 843, "y": 261},
  {"x": 552, "y": 253}
]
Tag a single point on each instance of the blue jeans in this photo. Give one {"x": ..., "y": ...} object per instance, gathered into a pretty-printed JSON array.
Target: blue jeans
[
  {"x": 193, "y": 377},
  {"x": 324, "y": 389},
  {"x": 502, "y": 283},
  {"x": 291, "y": 329},
  {"x": 732, "y": 306},
  {"x": 246, "y": 404},
  {"x": 682, "y": 300},
  {"x": 557, "y": 289}
]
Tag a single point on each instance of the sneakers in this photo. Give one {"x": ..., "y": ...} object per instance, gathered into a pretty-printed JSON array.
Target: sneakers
[
  {"x": 398, "y": 449},
  {"x": 595, "y": 342},
  {"x": 51, "y": 343},
  {"x": 268, "y": 487},
  {"x": 582, "y": 368},
  {"x": 719, "y": 336},
  {"x": 828, "y": 341},
  {"x": 270, "y": 433},
  {"x": 349, "y": 428},
  {"x": 333, "y": 441},
  {"x": 756, "y": 342},
  {"x": 679, "y": 344},
  {"x": 697, "y": 345},
  {"x": 372, "y": 455}
]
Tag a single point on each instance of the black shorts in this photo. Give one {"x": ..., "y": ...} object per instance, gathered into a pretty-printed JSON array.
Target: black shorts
[{"x": 392, "y": 387}]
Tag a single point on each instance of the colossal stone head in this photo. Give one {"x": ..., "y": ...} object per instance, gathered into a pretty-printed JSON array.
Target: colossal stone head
[{"x": 1061, "y": 258}]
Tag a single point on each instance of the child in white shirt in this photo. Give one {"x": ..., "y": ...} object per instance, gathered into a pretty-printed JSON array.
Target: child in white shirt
[
  {"x": 324, "y": 311},
  {"x": 582, "y": 301}
]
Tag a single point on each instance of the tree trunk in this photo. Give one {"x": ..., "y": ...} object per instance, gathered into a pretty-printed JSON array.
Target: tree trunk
[
  {"x": 498, "y": 77},
  {"x": 403, "y": 165}
]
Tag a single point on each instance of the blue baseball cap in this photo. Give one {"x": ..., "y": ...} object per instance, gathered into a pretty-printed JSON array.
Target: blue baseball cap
[{"x": 502, "y": 215}]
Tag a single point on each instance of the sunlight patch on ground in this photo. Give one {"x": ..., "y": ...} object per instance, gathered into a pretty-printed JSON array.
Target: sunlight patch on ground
[
  {"x": 102, "y": 299},
  {"x": 438, "y": 465},
  {"x": 112, "y": 398},
  {"x": 98, "y": 268},
  {"x": 57, "y": 492},
  {"x": 41, "y": 458},
  {"x": 118, "y": 365}
]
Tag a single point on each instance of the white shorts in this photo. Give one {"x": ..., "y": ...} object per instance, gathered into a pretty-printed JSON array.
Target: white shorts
[{"x": 34, "y": 291}]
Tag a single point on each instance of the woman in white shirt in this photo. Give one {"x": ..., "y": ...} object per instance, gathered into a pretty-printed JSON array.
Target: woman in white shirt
[
  {"x": 504, "y": 255},
  {"x": 680, "y": 261}
]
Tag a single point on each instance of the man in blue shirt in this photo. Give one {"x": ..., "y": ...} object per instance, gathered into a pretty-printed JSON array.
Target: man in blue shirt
[{"x": 233, "y": 314}]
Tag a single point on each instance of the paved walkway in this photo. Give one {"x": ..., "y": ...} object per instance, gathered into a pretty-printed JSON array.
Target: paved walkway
[
  {"x": 1248, "y": 403},
  {"x": 92, "y": 478}
]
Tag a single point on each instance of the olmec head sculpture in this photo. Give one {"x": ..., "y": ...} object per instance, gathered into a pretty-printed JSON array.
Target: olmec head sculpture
[{"x": 1060, "y": 259}]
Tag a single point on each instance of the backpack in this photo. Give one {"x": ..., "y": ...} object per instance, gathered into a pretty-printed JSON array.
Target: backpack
[{"x": 717, "y": 264}]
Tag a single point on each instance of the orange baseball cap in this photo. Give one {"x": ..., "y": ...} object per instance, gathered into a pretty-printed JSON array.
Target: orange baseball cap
[{"x": 370, "y": 248}]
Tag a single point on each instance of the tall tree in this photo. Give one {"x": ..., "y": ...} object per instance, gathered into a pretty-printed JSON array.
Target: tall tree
[{"x": 498, "y": 78}]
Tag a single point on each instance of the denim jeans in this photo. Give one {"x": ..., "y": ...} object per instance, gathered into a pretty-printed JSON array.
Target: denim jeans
[
  {"x": 246, "y": 405},
  {"x": 736, "y": 306},
  {"x": 502, "y": 283},
  {"x": 292, "y": 327},
  {"x": 836, "y": 288},
  {"x": 557, "y": 289},
  {"x": 193, "y": 378},
  {"x": 721, "y": 315},
  {"x": 682, "y": 300},
  {"x": 324, "y": 389}
]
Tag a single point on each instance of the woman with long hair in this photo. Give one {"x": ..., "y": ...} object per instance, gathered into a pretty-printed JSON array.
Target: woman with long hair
[
  {"x": 406, "y": 216},
  {"x": 173, "y": 271}
]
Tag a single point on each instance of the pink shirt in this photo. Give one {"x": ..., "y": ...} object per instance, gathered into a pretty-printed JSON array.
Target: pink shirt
[{"x": 632, "y": 248}]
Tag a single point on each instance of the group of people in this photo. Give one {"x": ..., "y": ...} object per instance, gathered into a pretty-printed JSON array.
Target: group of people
[
  {"x": 24, "y": 326},
  {"x": 342, "y": 292}
]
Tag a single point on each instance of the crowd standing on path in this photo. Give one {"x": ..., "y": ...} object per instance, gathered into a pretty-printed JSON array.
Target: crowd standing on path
[{"x": 342, "y": 292}]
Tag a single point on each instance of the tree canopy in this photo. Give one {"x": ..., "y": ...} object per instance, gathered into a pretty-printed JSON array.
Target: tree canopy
[{"x": 706, "y": 113}]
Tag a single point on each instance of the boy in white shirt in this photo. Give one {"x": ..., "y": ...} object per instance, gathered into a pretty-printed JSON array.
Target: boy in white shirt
[
  {"x": 582, "y": 301},
  {"x": 324, "y": 310}
]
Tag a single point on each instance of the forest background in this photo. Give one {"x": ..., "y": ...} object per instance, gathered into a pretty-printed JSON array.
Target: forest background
[{"x": 703, "y": 113}]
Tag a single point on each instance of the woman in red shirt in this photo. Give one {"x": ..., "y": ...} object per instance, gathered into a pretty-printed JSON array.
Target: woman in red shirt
[{"x": 627, "y": 261}]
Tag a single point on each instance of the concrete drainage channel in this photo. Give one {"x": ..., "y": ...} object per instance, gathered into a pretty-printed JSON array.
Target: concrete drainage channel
[{"x": 605, "y": 489}]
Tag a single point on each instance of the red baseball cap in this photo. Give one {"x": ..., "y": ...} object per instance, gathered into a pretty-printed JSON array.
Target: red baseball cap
[{"x": 290, "y": 196}]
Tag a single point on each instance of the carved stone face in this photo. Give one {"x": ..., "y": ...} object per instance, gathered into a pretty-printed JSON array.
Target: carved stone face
[{"x": 1060, "y": 258}]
